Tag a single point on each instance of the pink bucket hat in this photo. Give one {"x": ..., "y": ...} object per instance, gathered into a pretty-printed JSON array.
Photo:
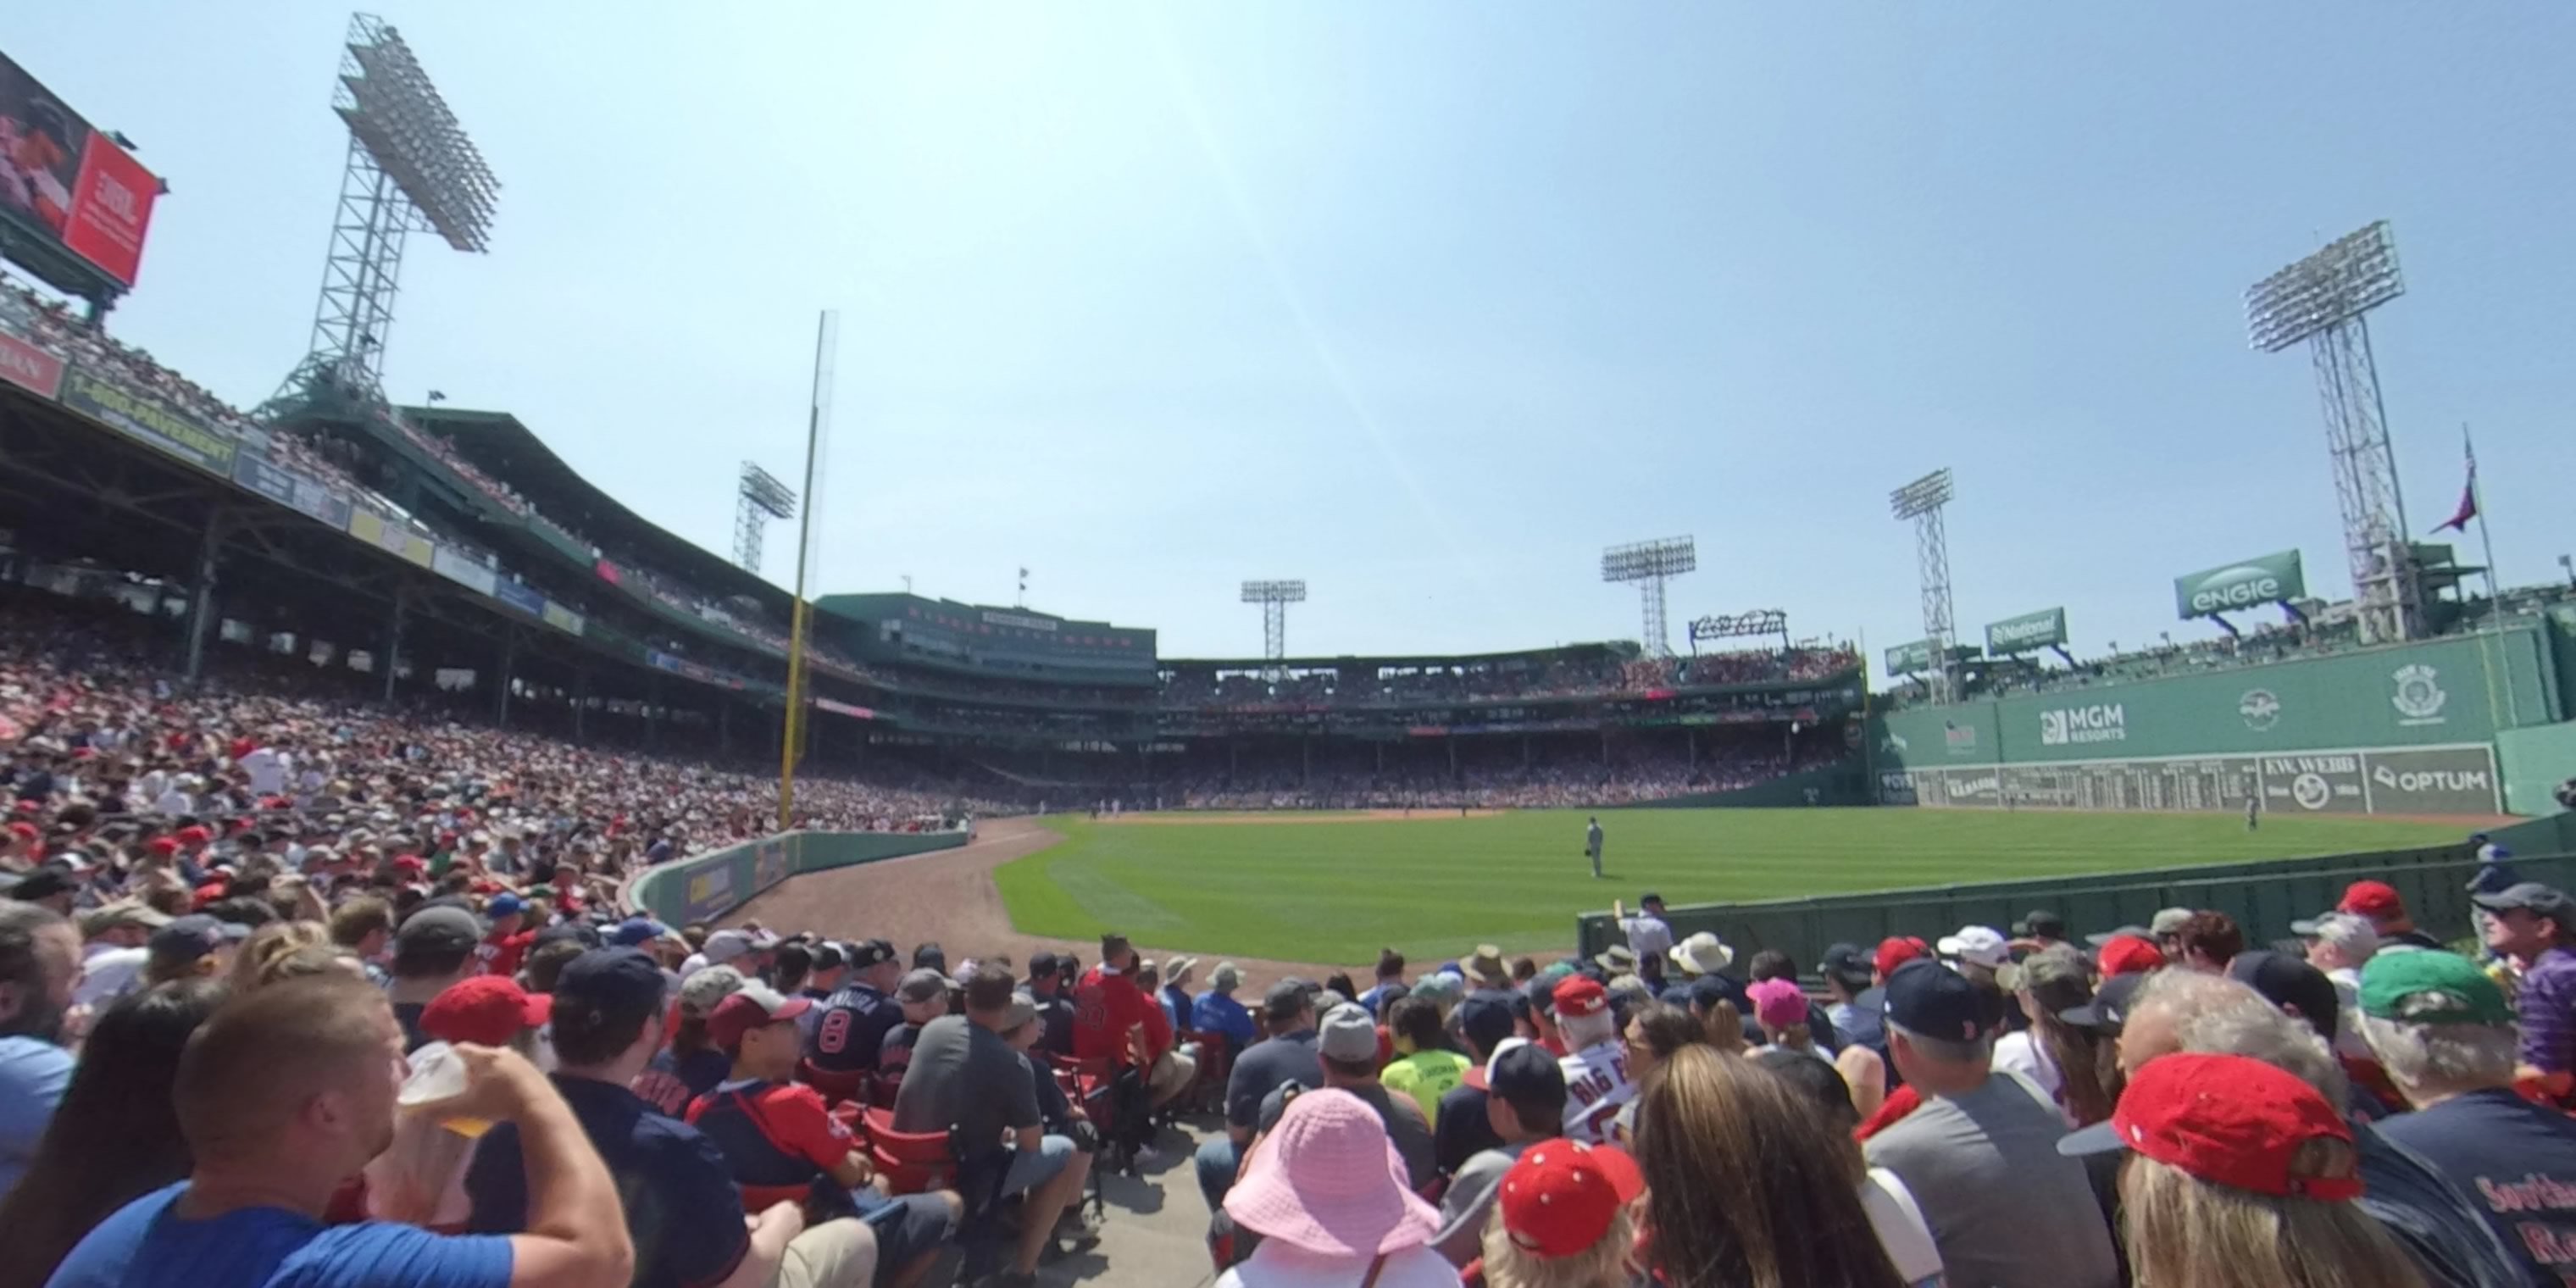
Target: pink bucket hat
[
  {"x": 1778, "y": 1003},
  {"x": 1328, "y": 1180}
]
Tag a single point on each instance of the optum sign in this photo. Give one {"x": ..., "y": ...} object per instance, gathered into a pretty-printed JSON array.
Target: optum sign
[
  {"x": 2268, "y": 580},
  {"x": 2044, "y": 629}
]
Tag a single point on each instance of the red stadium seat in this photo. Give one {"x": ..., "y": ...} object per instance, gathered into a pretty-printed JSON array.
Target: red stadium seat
[
  {"x": 836, "y": 1087},
  {"x": 910, "y": 1162}
]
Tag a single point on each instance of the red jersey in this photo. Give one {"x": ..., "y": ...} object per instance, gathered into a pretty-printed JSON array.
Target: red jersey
[
  {"x": 776, "y": 1137},
  {"x": 501, "y": 954},
  {"x": 1107, "y": 1005}
]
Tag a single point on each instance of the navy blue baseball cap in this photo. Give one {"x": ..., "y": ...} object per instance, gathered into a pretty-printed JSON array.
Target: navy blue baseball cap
[
  {"x": 616, "y": 982},
  {"x": 1526, "y": 1075},
  {"x": 503, "y": 904},
  {"x": 1933, "y": 1001},
  {"x": 1485, "y": 1018},
  {"x": 579, "y": 932}
]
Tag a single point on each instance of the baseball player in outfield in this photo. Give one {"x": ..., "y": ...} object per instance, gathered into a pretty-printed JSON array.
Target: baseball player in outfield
[{"x": 1592, "y": 846}]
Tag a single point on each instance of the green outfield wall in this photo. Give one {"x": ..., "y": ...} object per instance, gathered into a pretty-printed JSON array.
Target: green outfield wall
[
  {"x": 713, "y": 884},
  {"x": 2407, "y": 729}
]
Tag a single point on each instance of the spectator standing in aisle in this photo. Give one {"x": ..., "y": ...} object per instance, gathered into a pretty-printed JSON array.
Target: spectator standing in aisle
[
  {"x": 2534, "y": 927},
  {"x": 1286, "y": 1057},
  {"x": 966, "y": 1075},
  {"x": 1980, "y": 1155},
  {"x": 679, "y": 1201},
  {"x": 287, "y": 1092},
  {"x": 2239, "y": 1175},
  {"x": 39, "y": 966}
]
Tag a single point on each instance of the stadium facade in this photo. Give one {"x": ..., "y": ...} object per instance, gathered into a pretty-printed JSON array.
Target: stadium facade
[{"x": 342, "y": 532}]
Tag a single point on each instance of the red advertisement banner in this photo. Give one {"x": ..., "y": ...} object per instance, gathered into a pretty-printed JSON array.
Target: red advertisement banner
[
  {"x": 65, "y": 181},
  {"x": 111, "y": 208},
  {"x": 28, "y": 367}
]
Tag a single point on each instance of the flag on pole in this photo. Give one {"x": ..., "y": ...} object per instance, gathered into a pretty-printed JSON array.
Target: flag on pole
[{"x": 2468, "y": 492}]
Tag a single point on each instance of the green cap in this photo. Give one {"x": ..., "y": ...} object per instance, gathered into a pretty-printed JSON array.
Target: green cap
[{"x": 2429, "y": 986}]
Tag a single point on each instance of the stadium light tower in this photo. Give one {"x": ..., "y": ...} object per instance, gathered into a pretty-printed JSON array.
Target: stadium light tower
[
  {"x": 760, "y": 498},
  {"x": 1274, "y": 598},
  {"x": 1650, "y": 564},
  {"x": 410, "y": 168},
  {"x": 1922, "y": 501},
  {"x": 2324, "y": 300}
]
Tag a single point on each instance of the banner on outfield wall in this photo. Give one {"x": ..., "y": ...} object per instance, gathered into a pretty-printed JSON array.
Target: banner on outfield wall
[
  {"x": 28, "y": 367},
  {"x": 2043, "y": 629},
  {"x": 1910, "y": 659},
  {"x": 769, "y": 863},
  {"x": 2271, "y": 579},
  {"x": 2370, "y": 780},
  {"x": 68, "y": 183},
  {"x": 149, "y": 421}
]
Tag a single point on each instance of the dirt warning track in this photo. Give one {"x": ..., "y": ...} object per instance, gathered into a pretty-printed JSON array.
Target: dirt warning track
[{"x": 948, "y": 896}]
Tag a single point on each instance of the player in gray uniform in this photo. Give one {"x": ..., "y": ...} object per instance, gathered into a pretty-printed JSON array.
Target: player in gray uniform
[{"x": 1592, "y": 846}]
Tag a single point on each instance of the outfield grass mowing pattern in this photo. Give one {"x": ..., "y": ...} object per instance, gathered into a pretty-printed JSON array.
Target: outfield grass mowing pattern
[{"x": 1433, "y": 888}]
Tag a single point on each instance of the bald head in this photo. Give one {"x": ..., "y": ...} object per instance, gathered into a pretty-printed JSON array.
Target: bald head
[{"x": 312, "y": 1053}]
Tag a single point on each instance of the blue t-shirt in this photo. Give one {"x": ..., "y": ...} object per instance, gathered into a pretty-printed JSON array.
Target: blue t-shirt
[
  {"x": 33, "y": 1073},
  {"x": 681, "y": 1207},
  {"x": 2514, "y": 1160},
  {"x": 852, "y": 1030},
  {"x": 1215, "y": 1012},
  {"x": 146, "y": 1245}
]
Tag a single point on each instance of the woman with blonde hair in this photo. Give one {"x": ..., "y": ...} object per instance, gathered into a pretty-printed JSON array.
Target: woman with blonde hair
[
  {"x": 1562, "y": 1219},
  {"x": 282, "y": 950},
  {"x": 2240, "y": 1175},
  {"x": 1791, "y": 1211}
]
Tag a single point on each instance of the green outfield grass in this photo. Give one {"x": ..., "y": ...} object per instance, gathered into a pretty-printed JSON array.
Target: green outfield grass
[{"x": 1336, "y": 892}]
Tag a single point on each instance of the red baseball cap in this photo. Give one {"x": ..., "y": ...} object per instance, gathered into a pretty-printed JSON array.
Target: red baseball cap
[
  {"x": 410, "y": 865},
  {"x": 1897, "y": 951},
  {"x": 488, "y": 1009},
  {"x": 749, "y": 1007},
  {"x": 2372, "y": 899},
  {"x": 2129, "y": 955},
  {"x": 2228, "y": 1120},
  {"x": 1579, "y": 997},
  {"x": 1559, "y": 1199},
  {"x": 210, "y": 892},
  {"x": 163, "y": 845},
  {"x": 193, "y": 835}
]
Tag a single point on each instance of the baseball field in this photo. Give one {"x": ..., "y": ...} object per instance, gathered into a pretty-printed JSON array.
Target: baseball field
[{"x": 1336, "y": 887}]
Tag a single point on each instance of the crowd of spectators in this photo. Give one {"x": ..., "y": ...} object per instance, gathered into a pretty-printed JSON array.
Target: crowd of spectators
[
  {"x": 586, "y": 1097},
  {"x": 1609, "y": 676}
]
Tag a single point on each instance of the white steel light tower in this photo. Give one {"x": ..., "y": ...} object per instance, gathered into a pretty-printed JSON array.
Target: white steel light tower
[
  {"x": 410, "y": 168},
  {"x": 2324, "y": 300},
  {"x": 1650, "y": 564},
  {"x": 1921, "y": 501},
  {"x": 759, "y": 498},
  {"x": 1274, "y": 598}
]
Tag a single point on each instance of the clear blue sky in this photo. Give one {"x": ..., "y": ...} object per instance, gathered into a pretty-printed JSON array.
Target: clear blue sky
[{"x": 1425, "y": 303}]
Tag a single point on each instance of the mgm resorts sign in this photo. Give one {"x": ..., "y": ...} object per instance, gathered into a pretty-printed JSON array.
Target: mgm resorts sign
[{"x": 2075, "y": 726}]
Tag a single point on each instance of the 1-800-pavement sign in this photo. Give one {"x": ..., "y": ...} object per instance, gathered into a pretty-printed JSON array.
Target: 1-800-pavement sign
[{"x": 2399, "y": 780}]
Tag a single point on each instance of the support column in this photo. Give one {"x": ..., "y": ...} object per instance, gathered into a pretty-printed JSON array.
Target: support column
[
  {"x": 1605, "y": 746},
  {"x": 1694, "y": 748},
  {"x": 653, "y": 712},
  {"x": 1305, "y": 761},
  {"x": 724, "y": 727},
  {"x": 393, "y": 641},
  {"x": 580, "y": 699},
  {"x": 509, "y": 654},
  {"x": 201, "y": 608}
]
